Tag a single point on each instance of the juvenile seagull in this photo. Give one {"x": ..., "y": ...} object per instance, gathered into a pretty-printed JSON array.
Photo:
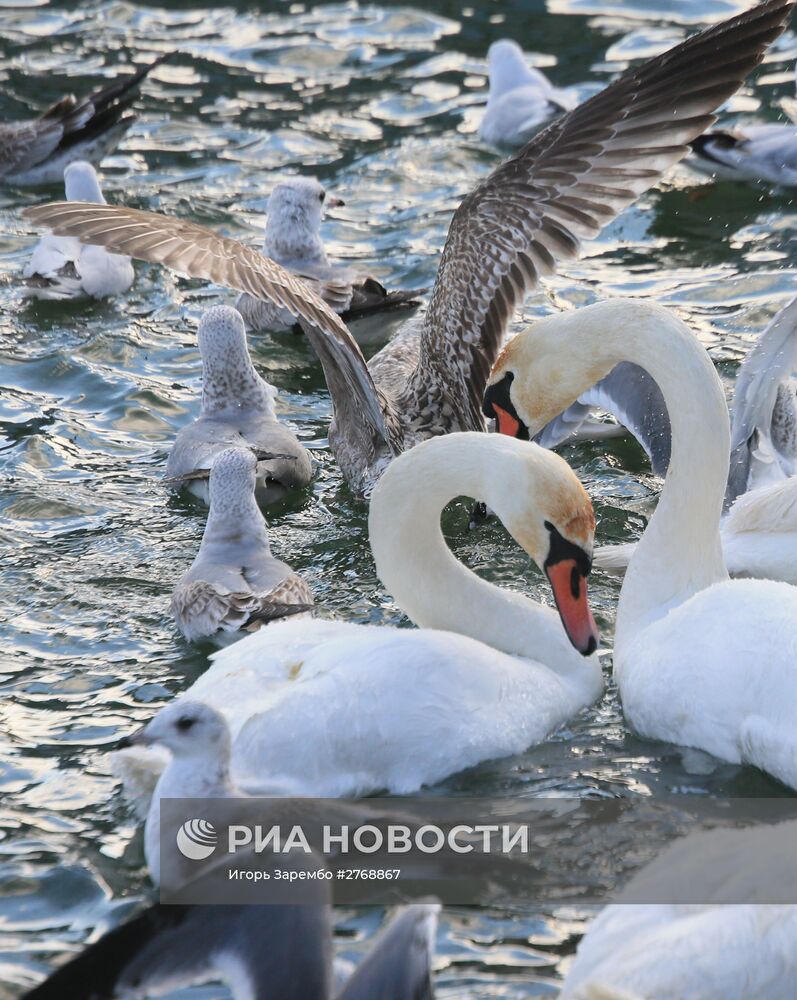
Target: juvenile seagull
[
  {"x": 235, "y": 584},
  {"x": 237, "y": 411},
  {"x": 295, "y": 210},
  {"x": 513, "y": 228},
  {"x": 521, "y": 98},
  {"x": 61, "y": 267},
  {"x": 37, "y": 151}
]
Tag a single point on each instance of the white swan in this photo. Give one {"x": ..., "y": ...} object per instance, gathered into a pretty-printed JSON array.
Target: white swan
[
  {"x": 737, "y": 940},
  {"x": 759, "y": 531},
  {"x": 521, "y": 98},
  {"x": 61, "y": 267},
  {"x": 701, "y": 660},
  {"x": 344, "y": 709}
]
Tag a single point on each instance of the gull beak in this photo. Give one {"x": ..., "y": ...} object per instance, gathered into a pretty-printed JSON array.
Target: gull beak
[
  {"x": 135, "y": 739},
  {"x": 569, "y": 585},
  {"x": 333, "y": 202}
]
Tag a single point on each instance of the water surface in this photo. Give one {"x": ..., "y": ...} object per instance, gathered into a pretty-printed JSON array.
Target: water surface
[{"x": 381, "y": 102}]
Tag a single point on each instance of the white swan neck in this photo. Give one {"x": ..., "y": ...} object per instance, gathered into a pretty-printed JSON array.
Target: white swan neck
[
  {"x": 680, "y": 552},
  {"x": 430, "y": 585}
]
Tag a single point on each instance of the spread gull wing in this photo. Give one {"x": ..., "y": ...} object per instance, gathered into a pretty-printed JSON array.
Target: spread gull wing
[
  {"x": 200, "y": 253},
  {"x": 770, "y": 363},
  {"x": 567, "y": 184}
]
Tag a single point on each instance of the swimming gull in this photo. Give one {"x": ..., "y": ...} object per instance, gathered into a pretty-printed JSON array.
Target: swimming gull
[
  {"x": 293, "y": 239},
  {"x": 61, "y": 267},
  {"x": 38, "y": 150},
  {"x": 521, "y": 97},
  {"x": 235, "y": 584},
  {"x": 237, "y": 411}
]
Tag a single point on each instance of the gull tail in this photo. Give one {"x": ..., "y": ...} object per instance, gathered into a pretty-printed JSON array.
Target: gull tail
[{"x": 370, "y": 296}]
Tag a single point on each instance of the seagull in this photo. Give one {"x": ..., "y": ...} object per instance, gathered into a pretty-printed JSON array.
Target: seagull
[
  {"x": 235, "y": 584},
  {"x": 532, "y": 211},
  {"x": 759, "y": 529},
  {"x": 295, "y": 211},
  {"x": 237, "y": 411},
  {"x": 61, "y": 267},
  {"x": 521, "y": 98},
  {"x": 38, "y": 150},
  {"x": 748, "y": 153},
  {"x": 280, "y": 951}
]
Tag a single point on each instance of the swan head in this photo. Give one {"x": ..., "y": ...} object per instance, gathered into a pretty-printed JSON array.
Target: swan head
[
  {"x": 550, "y": 514},
  {"x": 189, "y": 729},
  {"x": 297, "y": 204}
]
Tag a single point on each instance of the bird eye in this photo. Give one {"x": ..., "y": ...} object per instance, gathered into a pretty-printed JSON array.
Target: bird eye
[
  {"x": 322, "y": 195},
  {"x": 185, "y": 723}
]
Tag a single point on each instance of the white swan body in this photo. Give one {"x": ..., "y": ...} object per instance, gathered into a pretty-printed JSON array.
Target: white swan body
[
  {"x": 699, "y": 950},
  {"x": 521, "y": 97},
  {"x": 60, "y": 267},
  {"x": 700, "y": 660},
  {"x": 344, "y": 709}
]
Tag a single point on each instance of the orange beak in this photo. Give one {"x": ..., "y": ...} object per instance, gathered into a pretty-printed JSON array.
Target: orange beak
[
  {"x": 507, "y": 424},
  {"x": 570, "y": 593}
]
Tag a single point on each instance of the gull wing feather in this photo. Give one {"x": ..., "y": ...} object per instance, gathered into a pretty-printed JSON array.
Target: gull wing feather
[
  {"x": 192, "y": 249},
  {"x": 567, "y": 183}
]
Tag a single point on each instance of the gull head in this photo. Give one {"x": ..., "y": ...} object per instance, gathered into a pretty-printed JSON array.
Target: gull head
[
  {"x": 295, "y": 210},
  {"x": 81, "y": 184},
  {"x": 507, "y": 67},
  {"x": 232, "y": 480},
  {"x": 187, "y": 729}
]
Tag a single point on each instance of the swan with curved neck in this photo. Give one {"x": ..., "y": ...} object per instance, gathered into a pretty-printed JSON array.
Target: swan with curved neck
[
  {"x": 701, "y": 660},
  {"x": 337, "y": 708}
]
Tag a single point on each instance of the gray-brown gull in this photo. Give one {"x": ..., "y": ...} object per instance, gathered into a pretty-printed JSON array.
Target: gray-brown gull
[
  {"x": 513, "y": 228},
  {"x": 61, "y": 267},
  {"x": 38, "y": 150},
  {"x": 237, "y": 411},
  {"x": 293, "y": 239},
  {"x": 235, "y": 584}
]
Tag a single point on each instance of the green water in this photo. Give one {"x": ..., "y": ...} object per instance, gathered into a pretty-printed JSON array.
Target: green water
[{"x": 381, "y": 103}]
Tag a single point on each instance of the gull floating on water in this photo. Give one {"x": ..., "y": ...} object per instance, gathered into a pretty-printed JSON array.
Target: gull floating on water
[
  {"x": 293, "y": 239},
  {"x": 759, "y": 530},
  {"x": 272, "y": 952},
  {"x": 61, "y": 267},
  {"x": 521, "y": 97},
  {"x": 513, "y": 228},
  {"x": 237, "y": 411},
  {"x": 235, "y": 584},
  {"x": 37, "y": 151},
  {"x": 748, "y": 153}
]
